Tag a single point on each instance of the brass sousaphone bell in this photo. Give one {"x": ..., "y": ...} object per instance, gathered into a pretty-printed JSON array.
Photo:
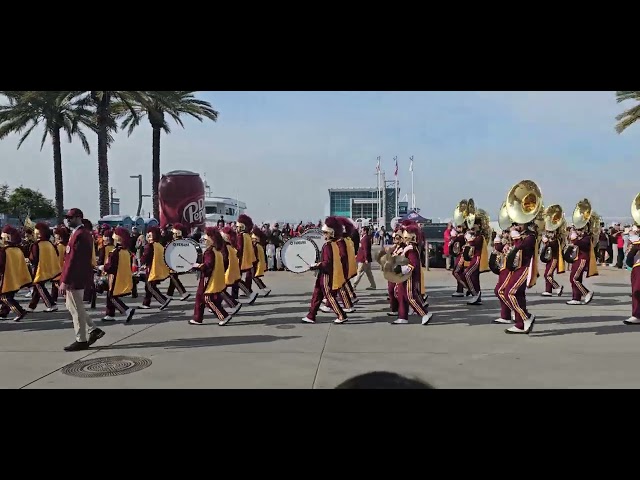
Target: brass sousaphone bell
[
  {"x": 553, "y": 219},
  {"x": 523, "y": 205},
  {"x": 460, "y": 213},
  {"x": 635, "y": 209},
  {"x": 580, "y": 218}
]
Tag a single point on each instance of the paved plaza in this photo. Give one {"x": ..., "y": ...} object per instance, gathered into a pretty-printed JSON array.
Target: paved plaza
[{"x": 266, "y": 345}]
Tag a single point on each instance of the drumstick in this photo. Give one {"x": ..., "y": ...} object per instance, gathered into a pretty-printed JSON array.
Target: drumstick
[
  {"x": 183, "y": 258},
  {"x": 303, "y": 259}
]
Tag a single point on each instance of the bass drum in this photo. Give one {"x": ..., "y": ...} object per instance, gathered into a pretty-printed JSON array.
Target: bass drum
[
  {"x": 180, "y": 255},
  {"x": 316, "y": 236},
  {"x": 298, "y": 254}
]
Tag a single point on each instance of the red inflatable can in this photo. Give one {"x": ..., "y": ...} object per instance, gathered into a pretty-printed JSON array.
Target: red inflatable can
[{"x": 181, "y": 199}]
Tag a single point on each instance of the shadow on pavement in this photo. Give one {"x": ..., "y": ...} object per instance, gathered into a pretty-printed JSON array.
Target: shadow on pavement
[{"x": 200, "y": 342}]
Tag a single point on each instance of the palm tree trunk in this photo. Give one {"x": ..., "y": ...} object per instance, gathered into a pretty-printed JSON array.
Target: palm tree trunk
[
  {"x": 57, "y": 174},
  {"x": 155, "y": 175},
  {"x": 103, "y": 159}
]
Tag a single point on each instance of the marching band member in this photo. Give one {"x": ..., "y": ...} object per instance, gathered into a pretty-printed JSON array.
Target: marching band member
[
  {"x": 157, "y": 270},
  {"x": 633, "y": 262},
  {"x": 396, "y": 249},
  {"x": 179, "y": 232},
  {"x": 231, "y": 267},
  {"x": 331, "y": 274},
  {"x": 502, "y": 245},
  {"x": 523, "y": 263},
  {"x": 106, "y": 247},
  {"x": 45, "y": 266},
  {"x": 585, "y": 261},
  {"x": 117, "y": 267},
  {"x": 551, "y": 287},
  {"x": 61, "y": 236},
  {"x": 212, "y": 281},
  {"x": 341, "y": 292},
  {"x": 90, "y": 290},
  {"x": 475, "y": 254},
  {"x": 423, "y": 253},
  {"x": 246, "y": 256},
  {"x": 259, "y": 239},
  {"x": 25, "y": 245},
  {"x": 14, "y": 273},
  {"x": 457, "y": 242},
  {"x": 352, "y": 266},
  {"x": 408, "y": 292},
  {"x": 365, "y": 260}
]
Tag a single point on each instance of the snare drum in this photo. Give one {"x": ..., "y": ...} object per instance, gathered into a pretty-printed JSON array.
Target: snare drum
[
  {"x": 180, "y": 255},
  {"x": 298, "y": 254}
]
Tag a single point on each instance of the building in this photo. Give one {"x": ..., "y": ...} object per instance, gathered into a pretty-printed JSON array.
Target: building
[{"x": 363, "y": 203}]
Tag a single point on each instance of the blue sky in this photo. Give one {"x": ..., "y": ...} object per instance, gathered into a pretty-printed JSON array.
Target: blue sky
[{"x": 281, "y": 151}]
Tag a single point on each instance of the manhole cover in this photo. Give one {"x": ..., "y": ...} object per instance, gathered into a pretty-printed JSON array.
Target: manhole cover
[
  {"x": 106, "y": 367},
  {"x": 286, "y": 327}
]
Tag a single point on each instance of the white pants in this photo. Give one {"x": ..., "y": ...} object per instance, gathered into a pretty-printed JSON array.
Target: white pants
[{"x": 82, "y": 323}]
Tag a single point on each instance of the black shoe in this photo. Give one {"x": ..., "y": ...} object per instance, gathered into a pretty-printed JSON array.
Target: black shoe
[
  {"x": 95, "y": 335},
  {"x": 77, "y": 346}
]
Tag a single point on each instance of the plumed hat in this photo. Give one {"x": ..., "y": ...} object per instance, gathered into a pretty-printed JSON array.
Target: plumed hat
[
  {"x": 106, "y": 232},
  {"x": 411, "y": 233},
  {"x": 229, "y": 235},
  {"x": 44, "y": 230},
  {"x": 348, "y": 227},
  {"x": 259, "y": 235},
  {"x": 333, "y": 227},
  {"x": 11, "y": 235},
  {"x": 214, "y": 235},
  {"x": 62, "y": 232},
  {"x": 121, "y": 236},
  {"x": 155, "y": 233},
  {"x": 245, "y": 223},
  {"x": 184, "y": 231}
]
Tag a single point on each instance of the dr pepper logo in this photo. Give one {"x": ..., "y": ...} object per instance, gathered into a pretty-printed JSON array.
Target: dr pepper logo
[{"x": 194, "y": 212}]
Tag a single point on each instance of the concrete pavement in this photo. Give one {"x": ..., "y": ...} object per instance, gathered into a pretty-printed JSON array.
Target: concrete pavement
[{"x": 266, "y": 346}]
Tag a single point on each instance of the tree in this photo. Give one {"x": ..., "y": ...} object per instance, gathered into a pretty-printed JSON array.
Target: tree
[
  {"x": 630, "y": 116},
  {"x": 4, "y": 195},
  {"x": 105, "y": 125},
  {"x": 156, "y": 106},
  {"x": 59, "y": 112},
  {"x": 24, "y": 202}
]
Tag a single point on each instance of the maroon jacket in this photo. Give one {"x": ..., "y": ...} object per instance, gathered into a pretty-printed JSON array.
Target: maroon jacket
[
  {"x": 584, "y": 247},
  {"x": 344, "y": 259},
  {"x": 364, "y": 252},
  {"x": 77, "y": 271},
  {"x": 526, "y": 245},
  {"x": 147, "y": 255},
  {"x": 208, "y": 264},
  {"x": 326, "y": 262}
]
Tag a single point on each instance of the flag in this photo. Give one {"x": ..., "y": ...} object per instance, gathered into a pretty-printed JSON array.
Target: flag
[
  {"x": 411, "y": 164},
  {"x": 378, "y": 166},
  {"x": 396, "y": 172}
]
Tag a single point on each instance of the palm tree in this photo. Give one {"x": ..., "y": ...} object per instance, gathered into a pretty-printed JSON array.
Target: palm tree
[
  {"x": 630, "y": 116},
  {"x": 156, "y": 106},
  {"x": 105, "y": 123},
  {"x": 58, "y": 112}
]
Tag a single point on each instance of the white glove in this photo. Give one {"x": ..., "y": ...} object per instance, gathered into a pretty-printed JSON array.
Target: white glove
[
  {"x": 497, "y": 239},
  {"x": 515, "y": 234},
  {"x": 468, "y": 236},
  {"x": 101, "y": 268},
  {"x": 545, "y": 239},
  {"x": 405, "y": 269},
  {"x": 573, "y": 235}
]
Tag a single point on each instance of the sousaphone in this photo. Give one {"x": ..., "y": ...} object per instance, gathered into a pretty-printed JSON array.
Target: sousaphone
[
  {"x": 497, "y": 259},
  {"x": 581, "y": 217},
  {"x": 553, "y": 219},
  {"x": 460, "y": 213},
  {"x": 523, "y": 204},
  {"x": 471, "y": 213},
  {"x": 635, "y": 209},
  {"x": 388, "y": 262}
]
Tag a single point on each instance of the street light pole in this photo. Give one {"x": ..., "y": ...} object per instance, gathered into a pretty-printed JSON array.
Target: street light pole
[{"x": 139, "y": 177}]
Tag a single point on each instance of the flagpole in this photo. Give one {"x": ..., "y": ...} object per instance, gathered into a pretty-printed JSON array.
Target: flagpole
[
  {"x": 378, "y": 192},
  {"x": 413, "y": 197},
  {"x": 397, "y": 204}
]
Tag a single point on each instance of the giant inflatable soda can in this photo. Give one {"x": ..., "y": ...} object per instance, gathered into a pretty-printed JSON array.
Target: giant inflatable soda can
[{"x": 181, "y": 199}]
